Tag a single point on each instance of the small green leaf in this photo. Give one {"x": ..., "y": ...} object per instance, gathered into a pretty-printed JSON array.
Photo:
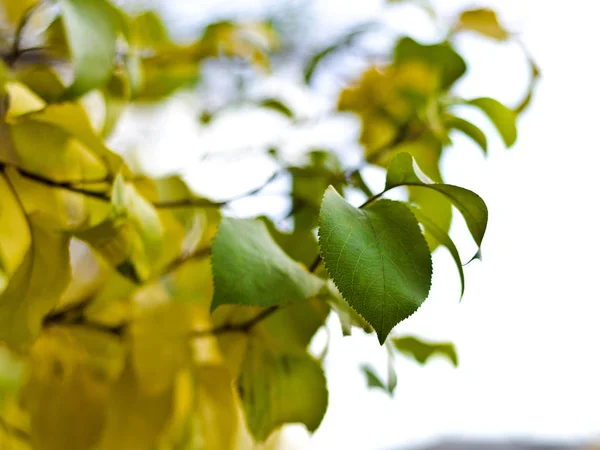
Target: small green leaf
[
  {"x": 91, "y": 33},
  {"x": 377, "y": 257},
  {"x": 442, "y": 56},
  {"x": 249, "y": 268},
  {"x": 277, "y": 105},
  {"x": 421, "y": 351},
  {"x": 468, "y": 129},
  {"x": 373, "y": 380},
  {"x": 403, "y": 171},
  {"x": 483, "y": 21},
  {"x": 502, "y": 117},
  {"x": 442, "y": 237},
  {"x": 278, "y": 389}
]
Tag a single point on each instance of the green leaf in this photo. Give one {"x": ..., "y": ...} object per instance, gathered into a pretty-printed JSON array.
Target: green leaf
[
  {"x": 373, "y": 380},
  {"x": 442, "y": 56},
  {"x": 502, "y": 117},
  {"x": 468, "y": 129},
  {"x": 250, "y": 269},
  {"x": 277, "y": 389},
  {"x": 442, "y": 237},
  {"x": 377, "y": 258},
  {"x": 483, "y": 21},
  {"x": 91, "y": 33},
  {"x": 404, "y": 172},
  {"x": 277, "y": 105},
  {"x": 421, "y": 351}
]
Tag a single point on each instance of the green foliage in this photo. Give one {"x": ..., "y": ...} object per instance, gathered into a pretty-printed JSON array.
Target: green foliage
[
  {"x": 136, "y": 314},
  {"x": 421, "y": 351},
  {"x": 249, "y": 268},
  {"x": 377, "y": 258}
]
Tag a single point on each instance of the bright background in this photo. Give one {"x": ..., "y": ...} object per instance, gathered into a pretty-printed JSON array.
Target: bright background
[{"x": 527, "y": 328}]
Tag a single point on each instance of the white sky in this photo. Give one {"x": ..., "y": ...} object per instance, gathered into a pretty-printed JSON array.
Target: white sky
[{"x": 527, "y": 329}]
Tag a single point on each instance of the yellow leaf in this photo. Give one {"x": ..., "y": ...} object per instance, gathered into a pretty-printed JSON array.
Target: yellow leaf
[
  {"x": 36, "y": 286},
  {"x": 483, "y": 21},
  {"x": 217, "y": 408},
  {"x": 15, "y": 10},
  {"x": 161, "y": 345},
  {"x": 21, "y": 100},
  {"x": 58, "y": 208},
  {"x": 69, "y": 386},
  {"x": 135, "y": 419},
  {"x": 15, "y": 237}
]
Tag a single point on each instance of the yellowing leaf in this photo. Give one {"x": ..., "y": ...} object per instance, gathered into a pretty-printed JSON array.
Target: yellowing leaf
[
  {"x": 421, "y": 350},
  {"x": 91, "y": 32},
  {"x": 58, "y": 208},
  {"x": 14, "y": 11},
  {"x": 483, "y": 21},
  {"x": 21, "y": 100},
  {"x": 139, "y": 224},
  {"x": 161, "y": 345},
  {"x": 36, "y": 286},
  {"x": 135, "y": 420},
  {"x": 64, "y": 159},
  {"x": 502, "y": 117},
  {"x": 217, "y": 408},
  {"x": 280, "y": 388},
  {"x": 67, "y": 392},
  {"x": 15, "y": 237}
]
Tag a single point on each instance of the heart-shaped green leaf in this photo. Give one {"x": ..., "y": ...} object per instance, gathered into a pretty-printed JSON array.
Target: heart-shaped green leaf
[{"x": 377, "y": 257}]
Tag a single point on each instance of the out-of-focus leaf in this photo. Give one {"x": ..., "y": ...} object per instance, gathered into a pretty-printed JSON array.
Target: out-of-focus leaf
[
  {"x": 308, "y": 186},
  {"x": 141, "y": 222},
  {"x": 469, "y": 130},
  {"x": 42, "y": 80},
  {"x": 280, "y": 388},
  {"x": 277, "y": 105},
  {"x": 15, "y": 238},
  {"x": 348, "y": 317},
  {"x": 377, "y": 257},
  {"x": 344, "y": 42},
  {"x": 217, "y": 408},
  {"x": 442, "y": 57},
  {"x": 300, "y": 245},
  {"x": 484, "y": 22},
  {"x": 35, "y": 287},
  {"x": 21, "y": 100},
  {"x": 134, "y": 419},
  {"x": 404, "y": 172},
  {"x": 502, "y": 117},
  {"x": 148, "y": 31},
  {"x": 68, "y": 389},
  {"x": 373, "y": 380},
  {"x": 91, "y": 32},
  {"x": 14, "y": 12},
  {"x": 250, "y": 269},
  {"x": 421, "y": 350},
  {"x": 160, "y": 345}
]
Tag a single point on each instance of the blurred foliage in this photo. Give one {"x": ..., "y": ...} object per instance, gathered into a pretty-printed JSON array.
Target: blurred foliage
[{"x": 132, "y": 313}]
